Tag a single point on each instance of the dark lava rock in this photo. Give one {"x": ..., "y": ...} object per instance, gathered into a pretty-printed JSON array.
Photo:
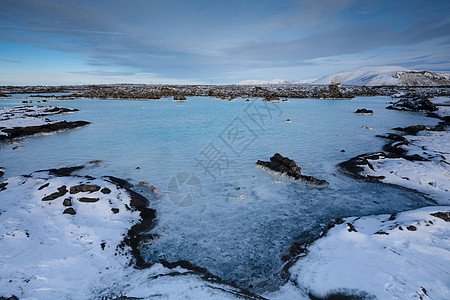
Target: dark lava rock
[
  {"x": 363, "y": 111},
  {"x": 9, "y": 298},
  {"x": 115, "y": 210},
  {"x": 1, "y": 173},
  {"x": 289, "y": 168},
  {"x": 355, "y": 166},
  {"x": 43, "y": 186},
  {"x": 122, "y": 183},
  {"x": 3, "y": 186},
  {"x": 411, "y": 228},
  {"x": 30, "y": 130},
  {"x": 393, "y": 137},
  {"x": 105, "y": 191},
  {"x": 62, "y": 172},
  {"x": 137, "y": 200},
  {"x": 412, "y": 129},
  {"x": 84, "y": 188},
  {"x": 88, "y": 200},
  {"x": 442, "y": 215},
  {"x": 179, "y": 98},
  {"x": 69, "y": 211},
  {"x": 351, "y": 228},
  {"x": 61, "y": 192},
  {"x": 67, "y": 202},
  {"x": 413, "y": 104}
]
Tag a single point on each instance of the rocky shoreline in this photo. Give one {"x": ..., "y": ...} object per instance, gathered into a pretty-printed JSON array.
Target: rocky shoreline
[
  {"x": 154, "y": 92},
  {"x": 22, "y": 121}
]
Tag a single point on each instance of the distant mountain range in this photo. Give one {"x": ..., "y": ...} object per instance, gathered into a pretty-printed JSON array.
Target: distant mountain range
[{"x": 372, "y": 76}]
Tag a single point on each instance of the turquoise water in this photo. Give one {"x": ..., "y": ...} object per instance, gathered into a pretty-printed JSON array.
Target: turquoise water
[{"x": 238, "y": 220}]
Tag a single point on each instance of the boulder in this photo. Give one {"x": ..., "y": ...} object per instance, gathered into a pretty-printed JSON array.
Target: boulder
[
  {"x": 105, "y": 191},
  {"x": 287, "y": 167},
  {"x": 84, "y": 188},
  {"x": 69, "y": 211},
  {"x": 61, "y": 192},
  {"x": 364, "y": 111},
  {"x": 67, "y": 202}
]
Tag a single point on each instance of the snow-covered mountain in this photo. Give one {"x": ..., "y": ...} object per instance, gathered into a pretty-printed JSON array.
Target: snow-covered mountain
[
  {"x": 371, "y": 76},
  {"x": 262, "y": 82},
  {"x": 387, "y": 75}
]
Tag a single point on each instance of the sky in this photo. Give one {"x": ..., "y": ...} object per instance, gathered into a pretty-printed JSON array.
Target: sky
[{"x": 52, "y": 42}]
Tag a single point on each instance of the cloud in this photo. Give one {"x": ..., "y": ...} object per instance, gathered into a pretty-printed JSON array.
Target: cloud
[
  {"x": 10, "y": 61},
  {"x": 213, "y": 39},
  {"x": 102, "y": 73}
]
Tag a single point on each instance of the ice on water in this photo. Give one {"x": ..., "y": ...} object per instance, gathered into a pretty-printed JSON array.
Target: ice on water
[{"x": 239, "y": 220}]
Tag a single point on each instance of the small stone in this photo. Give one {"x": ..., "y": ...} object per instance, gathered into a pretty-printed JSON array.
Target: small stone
[
  {"x": 105, "y": 191},
  {"x": 411, "y": 228},
  {"x": 88, "y": 200},
  {"x": 287, "y": 121},
  {"x": 115, "y": 210},
  {"x": 241, "y": 197},
  {"x": 342, "y": 150},
  {"x": 138, "y": 168},
  {"x": 67, "y": 202},
  {"x": 17, "y": 147},
  {"x": 69, "y": 211},
  {"x": 43, "y": 186},
  {"x": 351, "y": 228}
]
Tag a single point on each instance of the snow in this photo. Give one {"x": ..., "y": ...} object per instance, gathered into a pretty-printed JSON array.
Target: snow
[
  {"x": 46, "y": 254},
  {"x": 386, "y": 75},
  {"x": 25, "y": 116},
  {"x": 431, "y": 177},
  {"x": 375, "y": 75},
  {"x": 262, "y": 82},
  {"x": 443, "y": 104},
  {"x": 384, "y": 258}
]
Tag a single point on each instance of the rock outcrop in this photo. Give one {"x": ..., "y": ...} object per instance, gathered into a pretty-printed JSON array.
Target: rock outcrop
[{"x": 287, "y": 167}]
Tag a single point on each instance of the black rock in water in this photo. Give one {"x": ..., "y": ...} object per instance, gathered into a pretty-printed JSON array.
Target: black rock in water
[
  {"x": 288, "y": 167},
  {"x": 363, "y": 111}
]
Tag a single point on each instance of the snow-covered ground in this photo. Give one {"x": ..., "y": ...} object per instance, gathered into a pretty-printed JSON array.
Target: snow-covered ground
[
  {"x": 26, "y": 116},
  {"x": 378, "y": 257},
  {"x": 46, "y": 254},
  {"x": 431, "y": 176}
]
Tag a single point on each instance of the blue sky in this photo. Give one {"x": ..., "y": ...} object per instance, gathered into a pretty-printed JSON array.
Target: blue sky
[{"x": 174, "y": 41}]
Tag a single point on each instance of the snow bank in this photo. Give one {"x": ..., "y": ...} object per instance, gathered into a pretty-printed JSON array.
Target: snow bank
[
  {"x": 46, "y": 254},
  {"x": 389, "y": 257},
  {"x": 27, "y": 116}
]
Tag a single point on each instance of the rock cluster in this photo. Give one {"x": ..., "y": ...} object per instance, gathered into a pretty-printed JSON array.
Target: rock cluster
[{"x": 415, "y": 103}]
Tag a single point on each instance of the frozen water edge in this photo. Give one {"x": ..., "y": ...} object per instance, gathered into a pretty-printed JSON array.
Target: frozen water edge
[
  {"x": 46, "y": 254},
  {"x": 388, "y": 257}
]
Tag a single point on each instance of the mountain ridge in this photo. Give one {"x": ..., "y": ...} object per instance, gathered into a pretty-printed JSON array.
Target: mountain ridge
[{"x": 372, "y": 76}]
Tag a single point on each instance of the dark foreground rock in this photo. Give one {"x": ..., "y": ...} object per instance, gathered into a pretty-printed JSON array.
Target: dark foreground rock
[
  {"x": 46, "y": 128},
  {"x": 415, "y": 103},
  {"x": 287, "y": 167},
  {"x": 355, "y": 167}
]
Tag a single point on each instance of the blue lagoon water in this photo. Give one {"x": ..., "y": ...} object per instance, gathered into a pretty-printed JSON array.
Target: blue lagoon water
[{"x": 237, "y": 220}]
